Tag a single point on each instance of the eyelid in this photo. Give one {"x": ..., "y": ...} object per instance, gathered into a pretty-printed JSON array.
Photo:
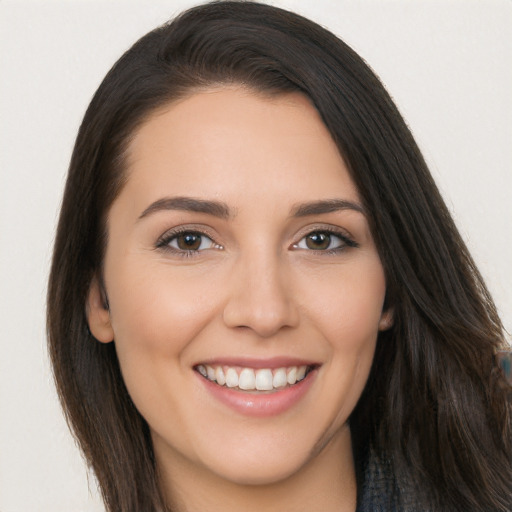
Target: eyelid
[
  {"x": 202, "y": 230},
  {"x": 323, "y": 227},
  {"x": 347, "y": 239},
  {"x": 167, "y": 236}
]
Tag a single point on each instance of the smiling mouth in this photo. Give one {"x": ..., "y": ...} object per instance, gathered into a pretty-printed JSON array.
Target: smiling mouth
[{"x": 250, "y": 379}]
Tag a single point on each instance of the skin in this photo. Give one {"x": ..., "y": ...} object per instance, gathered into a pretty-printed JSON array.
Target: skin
[{"x": 258, "y": 291}]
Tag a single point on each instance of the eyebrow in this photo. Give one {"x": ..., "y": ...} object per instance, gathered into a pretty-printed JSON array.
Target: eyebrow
[
  {"x": 215, "y": 208},
  {"x": 222, "y": 210},
  {"x": 325, "y": 206}
]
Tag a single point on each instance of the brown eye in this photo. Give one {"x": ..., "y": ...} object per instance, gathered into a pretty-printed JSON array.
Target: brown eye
[
  {"x": 318, "y": 241},
  {"x": 325, "y": 241},
  {"x": 189, "y": 241}
]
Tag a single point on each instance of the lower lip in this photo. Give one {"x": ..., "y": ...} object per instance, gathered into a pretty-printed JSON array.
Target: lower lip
[{"x": 262, "y": 404}]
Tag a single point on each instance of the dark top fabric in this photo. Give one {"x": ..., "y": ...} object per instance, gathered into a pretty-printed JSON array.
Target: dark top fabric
[{"x": 376, "y": 487}]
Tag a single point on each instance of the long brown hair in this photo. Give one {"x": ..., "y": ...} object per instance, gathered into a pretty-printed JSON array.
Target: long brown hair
[{"x": 436, "y": 408}]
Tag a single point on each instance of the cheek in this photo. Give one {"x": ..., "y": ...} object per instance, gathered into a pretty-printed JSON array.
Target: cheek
[
  {"x": 155, "y": 317},
  {"x": 156, "y": 312},
  {"x": 350, "y": 306},
  {"x": 347, "y": 314}
]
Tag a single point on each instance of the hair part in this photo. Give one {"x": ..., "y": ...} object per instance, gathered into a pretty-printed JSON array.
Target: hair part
[{"x": 436, "y": 409}]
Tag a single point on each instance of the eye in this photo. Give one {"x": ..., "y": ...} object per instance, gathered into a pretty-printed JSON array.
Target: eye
[
  {"x": 324, "y": 241},
  {"x": 187, "y": 242}
]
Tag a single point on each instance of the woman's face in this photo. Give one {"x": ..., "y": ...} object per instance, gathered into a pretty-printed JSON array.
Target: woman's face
[{"x": 239, "y": 256}]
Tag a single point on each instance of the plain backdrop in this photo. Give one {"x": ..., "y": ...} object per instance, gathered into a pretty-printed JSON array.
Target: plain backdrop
[{"x": 446, "y": 63}]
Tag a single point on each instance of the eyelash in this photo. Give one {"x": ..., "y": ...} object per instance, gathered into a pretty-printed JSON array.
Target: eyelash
[
  {"x": 164, "y": 242},
  {"x": 346, "y": 241}
]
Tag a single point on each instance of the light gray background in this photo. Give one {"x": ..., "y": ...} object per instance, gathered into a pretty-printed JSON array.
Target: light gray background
[{"x": 446, "y": 63}]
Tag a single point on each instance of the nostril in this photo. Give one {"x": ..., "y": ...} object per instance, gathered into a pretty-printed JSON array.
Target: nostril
[{"x": 264, "y": 323}]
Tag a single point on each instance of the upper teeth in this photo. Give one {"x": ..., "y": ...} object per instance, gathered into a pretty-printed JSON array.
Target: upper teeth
[{"x": 250, "y": 379}]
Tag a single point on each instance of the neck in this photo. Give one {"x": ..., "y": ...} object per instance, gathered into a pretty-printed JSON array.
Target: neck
[{"x": 325, "y": 482}]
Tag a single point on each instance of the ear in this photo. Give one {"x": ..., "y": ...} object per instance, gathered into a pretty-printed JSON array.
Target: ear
[
  {"x": 387, "y": 319},
  {"x": 98, "y": 314}
]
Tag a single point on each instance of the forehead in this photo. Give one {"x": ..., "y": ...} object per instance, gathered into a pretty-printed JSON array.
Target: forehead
[{"x": 234, "y": 143}]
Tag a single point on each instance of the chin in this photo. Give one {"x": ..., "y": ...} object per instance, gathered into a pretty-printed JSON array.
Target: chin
[
  {"x": 273, "y": 459},
  {"x": 260, "y": 473}
]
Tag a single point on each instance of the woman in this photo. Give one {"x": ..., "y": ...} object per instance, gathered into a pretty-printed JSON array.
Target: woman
[{"x": 258, "y": 297}]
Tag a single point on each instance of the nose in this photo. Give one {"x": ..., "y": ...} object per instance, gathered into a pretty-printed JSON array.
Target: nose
[{"x": 260, "y": 297}]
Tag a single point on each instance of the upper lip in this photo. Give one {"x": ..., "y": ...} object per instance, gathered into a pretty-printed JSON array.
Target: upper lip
[{"x": 248, "y": 362}]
